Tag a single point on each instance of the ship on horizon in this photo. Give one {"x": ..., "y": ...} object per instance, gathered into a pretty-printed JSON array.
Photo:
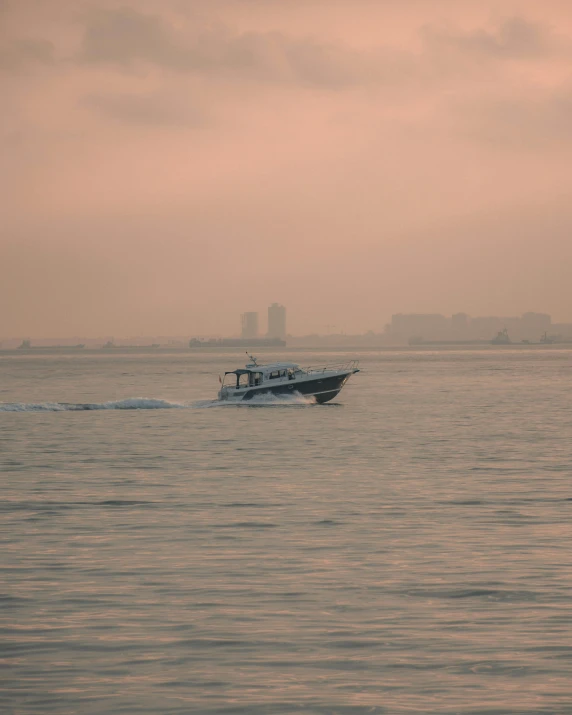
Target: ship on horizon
[{"x": 501, "y": 338}]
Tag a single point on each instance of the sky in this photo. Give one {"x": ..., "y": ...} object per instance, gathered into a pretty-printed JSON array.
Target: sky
[{"x": 169, "y": 164}]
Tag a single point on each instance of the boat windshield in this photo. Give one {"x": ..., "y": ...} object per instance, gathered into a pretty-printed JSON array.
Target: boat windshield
[
  {"x": 236, "y": 379},
  {"x": 242, "y": 378}
]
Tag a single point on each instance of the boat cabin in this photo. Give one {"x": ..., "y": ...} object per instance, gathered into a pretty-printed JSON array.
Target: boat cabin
[{"x": 256, "y": 375}]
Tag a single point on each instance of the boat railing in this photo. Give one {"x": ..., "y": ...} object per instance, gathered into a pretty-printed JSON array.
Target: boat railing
[{"x": 335, "y": 367}]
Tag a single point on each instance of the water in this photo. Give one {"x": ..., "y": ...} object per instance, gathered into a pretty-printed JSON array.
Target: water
[{"x": 405, "y": 549}]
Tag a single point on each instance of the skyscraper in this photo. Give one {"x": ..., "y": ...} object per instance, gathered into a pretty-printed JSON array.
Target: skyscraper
[
  {"x": 276, "y": 321},
  {"x": 249, "y": 322}
]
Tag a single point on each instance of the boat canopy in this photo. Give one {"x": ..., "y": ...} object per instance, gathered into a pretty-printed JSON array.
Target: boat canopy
[
  {"x": 264, "y": 368},
  {"x": 277, "y": 365}
]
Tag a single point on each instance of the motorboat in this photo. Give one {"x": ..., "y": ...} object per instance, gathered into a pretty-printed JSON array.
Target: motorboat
[
  {"x": 501, "y": 338},
  {"x": 282, "y": 379}
]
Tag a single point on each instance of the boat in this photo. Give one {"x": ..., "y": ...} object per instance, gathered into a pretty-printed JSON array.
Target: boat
[
  {"x": 545, "y": 340},
  {"x": 501, "y": 338},
  {"x": 285, "y": 378}
]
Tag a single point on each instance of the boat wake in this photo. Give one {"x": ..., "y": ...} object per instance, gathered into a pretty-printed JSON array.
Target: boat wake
[
  {"x": 143, "y": 403},
  {"x": 136, "y": 403},
  {"x": 270, "y": 400}
]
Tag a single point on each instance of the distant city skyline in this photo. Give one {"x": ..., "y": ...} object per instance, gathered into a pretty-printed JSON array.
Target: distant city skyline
[
  {"x": 276, "y": 323},
  {"x": 461, "y": 326},
  {"x": 404, "y": 328},
  {"x": 249, "y": 324}
]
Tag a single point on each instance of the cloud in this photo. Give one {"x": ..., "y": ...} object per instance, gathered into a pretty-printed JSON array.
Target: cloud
[
  {"x": 18, "y": 54},
  {"x": 514, "y": 38},
  {"x": 156, "y": 109},
  {"x": 126, "y": 36},
  {"x": 521, "y": 122}
]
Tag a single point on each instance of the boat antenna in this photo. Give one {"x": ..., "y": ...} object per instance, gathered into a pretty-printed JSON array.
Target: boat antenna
[{"x": 252, "y": 358}]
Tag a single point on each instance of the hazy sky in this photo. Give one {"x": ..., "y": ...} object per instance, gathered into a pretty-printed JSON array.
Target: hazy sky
[{"x": 169, "y": 164}]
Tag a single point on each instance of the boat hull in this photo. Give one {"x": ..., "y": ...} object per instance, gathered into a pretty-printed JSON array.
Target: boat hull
[{"x": 322, "y": 388}]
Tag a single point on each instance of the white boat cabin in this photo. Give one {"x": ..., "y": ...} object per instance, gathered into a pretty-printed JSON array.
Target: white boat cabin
[{"x": 254, "y": 375}]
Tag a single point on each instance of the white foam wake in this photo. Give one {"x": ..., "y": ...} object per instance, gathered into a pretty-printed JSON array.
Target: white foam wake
[
  {"x": 144, "y": 403},
  {"x": 277, "y": 400},
  {"x": 263, "y": 400},
  {"x": 135, "y": 403}
]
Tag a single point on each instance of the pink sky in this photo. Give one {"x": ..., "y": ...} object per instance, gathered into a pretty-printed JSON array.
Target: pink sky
[{"x": 169, "y": 164}]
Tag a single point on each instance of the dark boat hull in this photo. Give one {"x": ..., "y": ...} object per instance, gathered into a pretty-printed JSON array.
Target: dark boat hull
[{"x": 323, "y": 388}]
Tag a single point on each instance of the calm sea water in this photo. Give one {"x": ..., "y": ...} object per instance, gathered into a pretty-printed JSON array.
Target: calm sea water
[{"x": 407, "y": 549}]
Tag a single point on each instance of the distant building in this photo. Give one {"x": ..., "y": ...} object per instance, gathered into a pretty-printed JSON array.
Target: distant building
[
  {"x": 249, "y": 325},
  {"x": 562, "y": 330},
  {"x": 533, "y": 325},
  {"x": 528, "y": 327},
  {"x": 419, "y": 325},
  {"x": 419, "y": 328},
  {"x": 486, "y": 327},
  {"x": 460, "y": 322},
  {"x": 276, "y": 321}
]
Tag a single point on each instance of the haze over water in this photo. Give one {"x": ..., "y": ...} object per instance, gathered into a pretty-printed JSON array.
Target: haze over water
[{"x": 405, "y": 549}]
